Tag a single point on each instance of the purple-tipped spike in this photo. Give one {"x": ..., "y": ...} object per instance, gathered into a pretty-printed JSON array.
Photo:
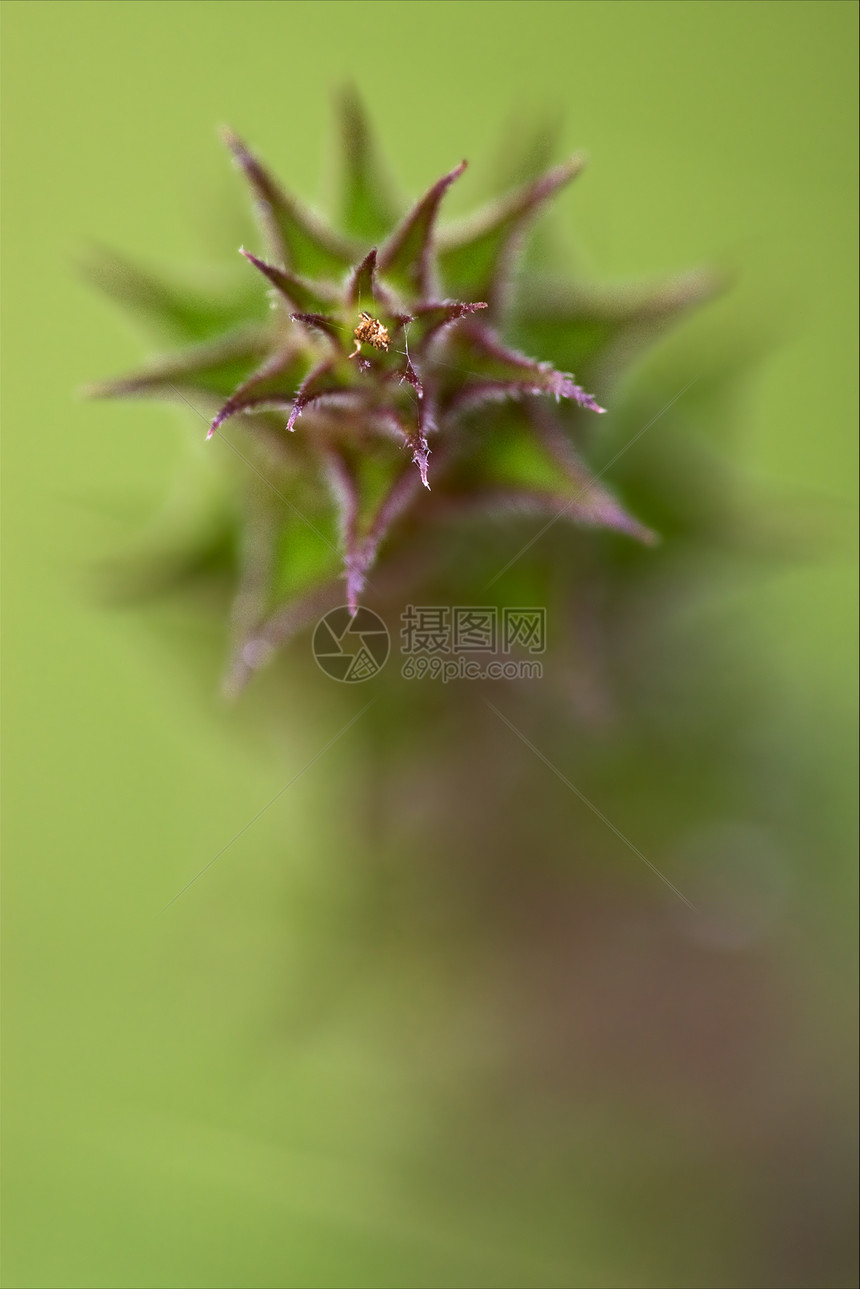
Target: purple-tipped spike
[
  {"x": 476, "y": 258},
  {"x": 297, "y": 237},
  {"x": 320, "y": 322},
  {"x": 420, "y": 458},
  {"x": 563, "y": 386},
  {"x": 430, "y": 319},
  {"x": 321, "y": 384},
  {"x": 270, "y": 384},
  {"x": 306, "y": 391},
  {"x": 407, "y": 255},
  {"x": 363, "y": 287},
  {"x": 297, "y": 292}
]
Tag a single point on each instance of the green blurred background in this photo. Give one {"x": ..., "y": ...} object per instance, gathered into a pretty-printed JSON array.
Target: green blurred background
[{"x": 169, "y": 1119}]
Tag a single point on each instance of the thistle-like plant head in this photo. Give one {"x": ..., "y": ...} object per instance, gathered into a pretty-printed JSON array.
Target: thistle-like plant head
[{"x": 386, "y": 372}]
